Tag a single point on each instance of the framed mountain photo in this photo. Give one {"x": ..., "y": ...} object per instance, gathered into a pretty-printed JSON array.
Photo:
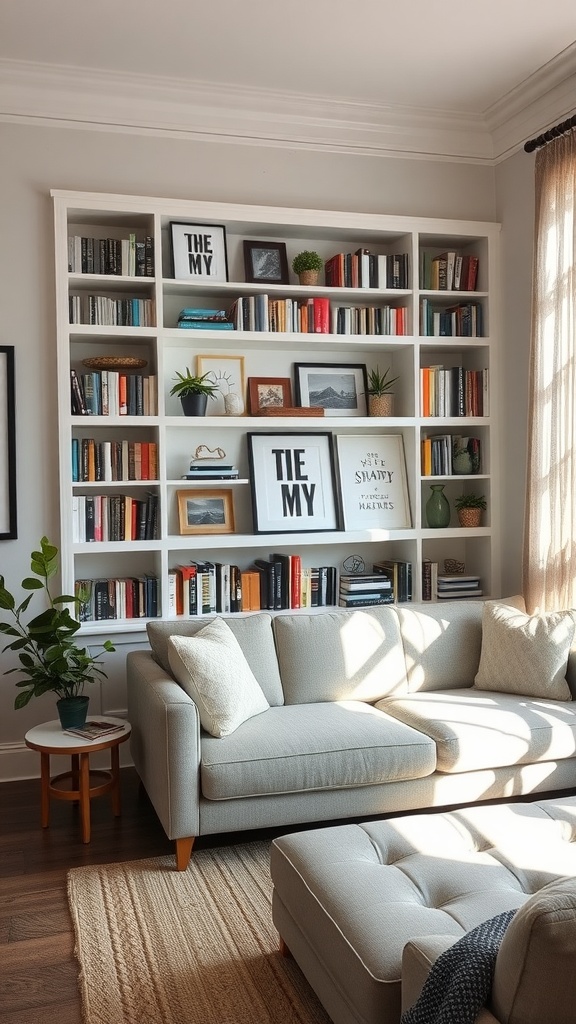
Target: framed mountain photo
[{"x": 338, "y": 388}]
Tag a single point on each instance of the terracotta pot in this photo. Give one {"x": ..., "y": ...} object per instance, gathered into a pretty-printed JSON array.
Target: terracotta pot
[
  {"x": 469, "y": 516},
  {"x": 309, "y": 277},
  {"x": 381, "y": 405}
]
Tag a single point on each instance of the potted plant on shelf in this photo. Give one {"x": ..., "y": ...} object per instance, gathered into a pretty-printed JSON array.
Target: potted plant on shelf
[
  {"x": 380, "y": 395},
  {"x": 50, "y": 659},
  {"x": 307, "y": 265},
  {"x": 194, "y": 392},
  {"x": 469, "y": 508}
]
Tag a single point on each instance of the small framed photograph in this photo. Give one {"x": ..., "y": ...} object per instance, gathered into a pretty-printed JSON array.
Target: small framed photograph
[
  {"x": 265, "y": 262},
  {"x": 227, "y": 372},
  {"x": 205, "y": 511},
  {"x": 199, "y": 252},
  {"x": 8, "y": 529},
  {"x": 373, "y": 487},
  {"x": 269, "y": 393},
  {"x": 338, "y": 388},
  {"x": 293, "y": 482}
]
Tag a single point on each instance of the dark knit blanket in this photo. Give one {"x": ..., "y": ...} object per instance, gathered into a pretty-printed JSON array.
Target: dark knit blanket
[{"x": 460, "y": 980}]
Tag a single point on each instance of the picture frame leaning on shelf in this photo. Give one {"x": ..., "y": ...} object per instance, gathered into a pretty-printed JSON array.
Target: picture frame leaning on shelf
[
  {"x": 373, "y": 484},
  {"x": 292, "y": 482},
  {"x": 205, "y": 511},
  {"x": 265, "y": 262},
  {"x": 338, "y": 388},
  {"x": 269, "y": 393},
  {"x": 199, "y": 252}
]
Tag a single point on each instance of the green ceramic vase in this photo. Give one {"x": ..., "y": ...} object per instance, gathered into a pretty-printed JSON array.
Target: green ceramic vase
[{"x": 437, "y": 508}]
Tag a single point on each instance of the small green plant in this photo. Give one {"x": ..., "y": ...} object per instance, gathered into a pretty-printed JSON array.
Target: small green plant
[
  {"x": 49, "y": 657},
  {"x": 380, "y": 383},
  {"x": 470, "y": 501},
  {"x": 188, "y": 384},
  {"x": 307, "y": 261}
]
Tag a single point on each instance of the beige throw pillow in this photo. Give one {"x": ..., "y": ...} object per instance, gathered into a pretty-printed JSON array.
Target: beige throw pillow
[
  {"x": 211, "y": 667},
  {"x": 525, "y": 654}
]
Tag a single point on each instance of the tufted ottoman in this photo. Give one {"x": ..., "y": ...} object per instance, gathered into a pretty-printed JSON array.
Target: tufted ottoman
[{"x": 347, "y": 899}]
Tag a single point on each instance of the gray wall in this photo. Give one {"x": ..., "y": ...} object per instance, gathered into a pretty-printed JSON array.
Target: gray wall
[{"x": 36, "y": 159}]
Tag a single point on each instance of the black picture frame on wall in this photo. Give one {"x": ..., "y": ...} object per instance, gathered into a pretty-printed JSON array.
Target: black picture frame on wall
[{"x": 8, "y": 528}]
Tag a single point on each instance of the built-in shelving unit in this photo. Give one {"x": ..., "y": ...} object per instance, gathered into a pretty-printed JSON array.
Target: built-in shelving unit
[{"x": 166, "y": 349}]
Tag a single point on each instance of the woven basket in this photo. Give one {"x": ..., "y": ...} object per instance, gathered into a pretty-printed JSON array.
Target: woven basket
[
  {"x": 470, "y": 516},
  {"x": 309, "y": 277}
]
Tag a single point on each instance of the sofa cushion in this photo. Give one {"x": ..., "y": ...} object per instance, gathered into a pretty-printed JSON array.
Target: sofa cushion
[
  {"x": 525, "y": 654},
  {"x": 347, "y": 655},
  {"x": 534, "y": 978},
  {"x": 313, "y": 746},
  {"x": 441, "y": 643},
  {"x": 253, "y": 633},
  {"x": 473, "y": 729},
  {"x": 212, "y": 669}
]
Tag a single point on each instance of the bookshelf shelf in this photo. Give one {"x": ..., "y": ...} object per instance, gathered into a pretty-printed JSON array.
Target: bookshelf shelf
[{"x": 167, "y": 348}]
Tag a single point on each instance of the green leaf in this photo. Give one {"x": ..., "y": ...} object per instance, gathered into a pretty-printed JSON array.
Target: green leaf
[
  {"x": 31, "y": 584},
  {"x": 22, "y": 699}
]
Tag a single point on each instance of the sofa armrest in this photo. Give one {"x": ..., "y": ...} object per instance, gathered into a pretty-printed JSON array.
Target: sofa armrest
[
  {"x": 165, "y": 743},
  {"x": 418, "y": 956}
]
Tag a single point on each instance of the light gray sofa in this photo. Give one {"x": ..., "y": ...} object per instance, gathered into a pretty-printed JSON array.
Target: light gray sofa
[{"x": 372, "y": 712}]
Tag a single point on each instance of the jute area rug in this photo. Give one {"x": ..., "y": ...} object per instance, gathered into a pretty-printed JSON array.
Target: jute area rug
[{"x": 158, "y": 946}]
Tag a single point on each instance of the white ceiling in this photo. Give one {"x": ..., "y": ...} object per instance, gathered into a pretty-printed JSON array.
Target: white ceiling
[{"x": 405, "y": 63}]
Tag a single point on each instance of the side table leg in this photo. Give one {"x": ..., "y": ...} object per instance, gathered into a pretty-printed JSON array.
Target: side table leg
[
  {"x": 115, "y": 768},
  {"x": 75, "y": 772},
  {"x": 45, "y": 789},
  {"x": 85, "y": 796}
]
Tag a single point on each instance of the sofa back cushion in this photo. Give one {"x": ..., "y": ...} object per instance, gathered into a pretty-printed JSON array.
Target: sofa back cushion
[
  {"x": 253, "y": 633},
  {"x": 442, "y": 642},
  {"x": 534, "y": 978},
  {"x": 347, "y": 655}
]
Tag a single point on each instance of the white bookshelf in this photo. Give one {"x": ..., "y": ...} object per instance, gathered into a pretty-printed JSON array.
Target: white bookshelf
[{"x": 167, "y": 349}]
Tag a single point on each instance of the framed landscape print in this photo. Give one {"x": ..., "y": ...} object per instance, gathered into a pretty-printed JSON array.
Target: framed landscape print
[
  {"x": 338, "y": 388},
  {"x": 7, "y": 445},
  {"x": 199, "y": 252},
  {"x": 205, "y": 511},
  {"x": 269, "y": 393},
  {"x": 373, "y": 487},
  {"x": 266, "y": 262},
  {"x": 292, "y": 482}
]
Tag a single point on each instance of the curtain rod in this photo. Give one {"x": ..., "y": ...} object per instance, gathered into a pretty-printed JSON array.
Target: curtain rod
[{"x": 550, "y": 135}]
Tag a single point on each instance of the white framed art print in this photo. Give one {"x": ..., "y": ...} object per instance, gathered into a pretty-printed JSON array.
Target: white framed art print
[{"x": 373, "y": 486}]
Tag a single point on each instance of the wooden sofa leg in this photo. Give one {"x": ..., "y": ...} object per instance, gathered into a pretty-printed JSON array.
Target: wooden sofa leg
[
  {"x": 283, "y": 948},
  {"x": 183, "y": 852}
]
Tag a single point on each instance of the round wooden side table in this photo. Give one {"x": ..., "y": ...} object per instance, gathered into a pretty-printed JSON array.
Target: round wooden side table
[{"x": 77, "y": 784}]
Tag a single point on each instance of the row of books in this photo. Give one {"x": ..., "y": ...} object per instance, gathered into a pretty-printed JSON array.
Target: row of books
[
  {"x": 399, "y": 572},
  {"x": 364, "y": 269},
  {"x": 132, "y": 597},
  {"x": 279, "y": 582},
  {"x": 441, "y": 587},
  {"x": 104, "y": 311},
  {"x": 454, "y": 391},
  {"x": 448, "y": 271},
  {"x": 365, "y": 590},
  {"x": 461, "y": 321},
  {"x": 113, "y": 517},
  {"x": 128, "y": 257},
  {"x": 112, "y": 393},
  {"x": 438, "y": 451},
  {"x": 369, "y": 320},
  {"x": 262, "y": 313},
  {"x": 200, "y": 319},
  {"x": 107, "y": 461}
]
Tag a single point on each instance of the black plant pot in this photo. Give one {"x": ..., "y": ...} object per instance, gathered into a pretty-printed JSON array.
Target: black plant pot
[
  {"x": 194, "y": 404},
  {"x": 72, "y": 711}
]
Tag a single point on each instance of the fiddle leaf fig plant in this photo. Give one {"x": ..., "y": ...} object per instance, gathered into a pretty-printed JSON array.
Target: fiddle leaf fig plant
[{"x": 50, "y": 659}]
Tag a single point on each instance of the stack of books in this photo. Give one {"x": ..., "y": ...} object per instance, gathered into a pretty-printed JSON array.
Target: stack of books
[
  {"x": 365, "y": 590},
  {"x": 399, "y": 574},
  {"x": 207, "y": 470},
  {"x": 199, "y": 319},
  {"x": 451, "y": 587}
]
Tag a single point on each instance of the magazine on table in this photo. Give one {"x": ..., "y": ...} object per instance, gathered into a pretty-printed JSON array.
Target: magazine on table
[{"x": 95, "y": 730}]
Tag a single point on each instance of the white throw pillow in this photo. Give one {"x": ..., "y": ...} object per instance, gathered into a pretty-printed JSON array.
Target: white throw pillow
[
  {"x": 525, "y": 654},
  {"x": 211, "y": 667}
]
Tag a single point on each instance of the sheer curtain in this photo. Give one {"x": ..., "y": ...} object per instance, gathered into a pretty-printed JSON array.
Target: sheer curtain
[{"x": 550, "y": 517}]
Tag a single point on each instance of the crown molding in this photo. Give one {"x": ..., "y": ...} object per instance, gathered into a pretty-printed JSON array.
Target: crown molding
[{"x": 32, "y": 93}]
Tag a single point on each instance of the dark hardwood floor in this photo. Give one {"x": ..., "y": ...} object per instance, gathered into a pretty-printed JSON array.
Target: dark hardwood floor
[{"x": 38, "y": 972}]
